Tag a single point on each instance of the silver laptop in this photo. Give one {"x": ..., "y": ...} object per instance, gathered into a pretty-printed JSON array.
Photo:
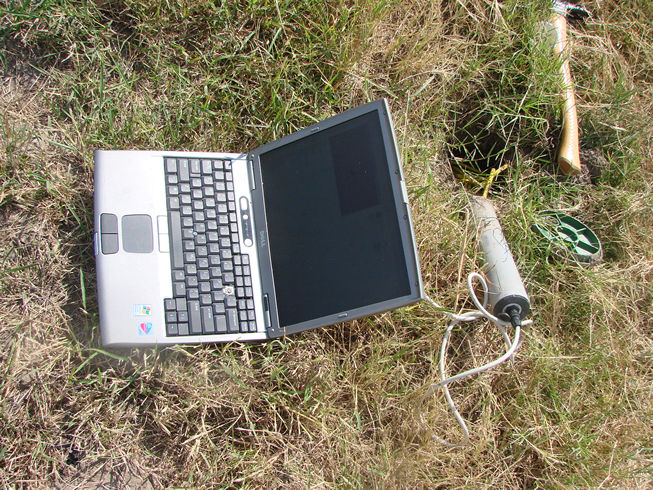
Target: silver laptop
[{"x": 309, "y": 230}]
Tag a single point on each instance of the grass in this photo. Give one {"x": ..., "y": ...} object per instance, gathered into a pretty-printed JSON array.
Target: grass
[{"x": 470, "y": 90}]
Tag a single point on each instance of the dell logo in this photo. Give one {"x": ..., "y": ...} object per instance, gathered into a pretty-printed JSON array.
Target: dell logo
[{"x": 262, "y": 242}]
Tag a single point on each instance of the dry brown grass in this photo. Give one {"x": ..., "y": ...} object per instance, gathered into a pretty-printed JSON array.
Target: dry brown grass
[{"x": 338, "y": 406}]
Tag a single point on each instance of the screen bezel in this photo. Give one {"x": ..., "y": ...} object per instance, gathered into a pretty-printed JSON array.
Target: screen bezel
[{"x": 380, "y": 107}]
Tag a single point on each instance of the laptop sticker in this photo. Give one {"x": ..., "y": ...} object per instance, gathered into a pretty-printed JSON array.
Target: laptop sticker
[
  {"x": 142, "y": 310},
  {"x": 145, "y": 328}
]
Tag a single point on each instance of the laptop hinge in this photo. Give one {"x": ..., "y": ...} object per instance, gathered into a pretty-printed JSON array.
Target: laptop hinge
[
  {"x": 272, "y": 331},
  {"x": 266, "y": 311},
  {"x": 250, "y": 173}
]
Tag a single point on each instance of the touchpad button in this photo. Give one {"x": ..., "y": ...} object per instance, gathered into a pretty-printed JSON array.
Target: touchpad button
[{"x": 137, "y": 234}]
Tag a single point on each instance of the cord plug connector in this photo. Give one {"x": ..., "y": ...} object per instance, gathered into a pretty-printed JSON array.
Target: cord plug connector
[{"x": 515, "y": 317}]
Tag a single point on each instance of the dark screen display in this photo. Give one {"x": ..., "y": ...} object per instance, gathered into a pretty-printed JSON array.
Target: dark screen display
[{"x": 333, "y": 230}]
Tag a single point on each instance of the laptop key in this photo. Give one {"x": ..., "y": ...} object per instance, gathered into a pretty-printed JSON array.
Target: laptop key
[
  {"x": 172, "y": 329},
  {"x": 195, "y": 166},
  {"x": 220, "y": 323},
  {"x": 182, "y": 328},
  {"x": 179, "y": 289},
  {"x": 171, "y": 165},
  {"x": 207, "y": 319},
  {"x": 195, "y": 317},
  {"x": 181, "y": 306},
  {"x": 173, "y": 203},
  {"x": 183, "y": 170},
  {"x": 232, "y": 320}
]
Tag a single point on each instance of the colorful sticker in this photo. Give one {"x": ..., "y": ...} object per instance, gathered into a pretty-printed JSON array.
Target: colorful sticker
[
  {"x": 145, "y": 328},
  {"x": 142, "y": 310}
]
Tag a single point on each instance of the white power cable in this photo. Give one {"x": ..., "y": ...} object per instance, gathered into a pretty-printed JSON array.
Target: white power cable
[{"x": 469, "y": 316}]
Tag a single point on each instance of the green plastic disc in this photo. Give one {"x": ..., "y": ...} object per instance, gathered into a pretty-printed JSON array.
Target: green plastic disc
[{"x": 575, "y": 240}]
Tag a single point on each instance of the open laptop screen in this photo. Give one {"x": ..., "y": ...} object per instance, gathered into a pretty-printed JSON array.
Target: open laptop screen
[{"x": 333, "y": 229}]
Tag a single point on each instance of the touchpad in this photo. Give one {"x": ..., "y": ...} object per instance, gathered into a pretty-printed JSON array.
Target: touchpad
[{"x": 137, "y": 234}]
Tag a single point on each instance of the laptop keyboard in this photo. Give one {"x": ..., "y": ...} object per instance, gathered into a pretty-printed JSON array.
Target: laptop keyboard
[{"x": 211, "y": 279}]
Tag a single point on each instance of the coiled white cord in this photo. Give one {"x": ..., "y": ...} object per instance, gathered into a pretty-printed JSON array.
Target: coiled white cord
[{"x": 469, "y": 316}]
